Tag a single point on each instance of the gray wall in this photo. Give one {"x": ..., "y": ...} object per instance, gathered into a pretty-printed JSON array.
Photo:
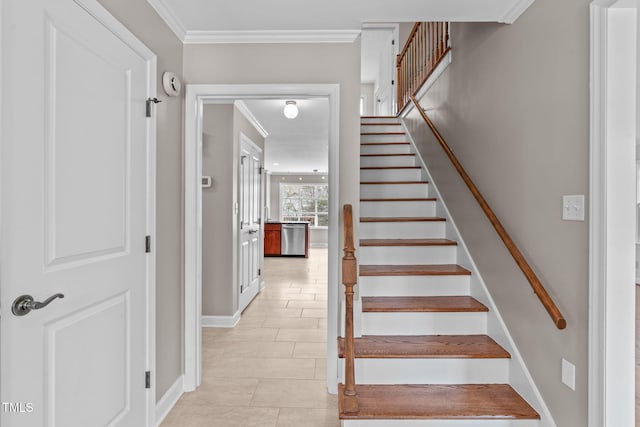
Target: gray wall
[
  {"x": 514, "y": 107},
  {"x": 218, "y": 220},
  {"x": 220, "y": 156},
  {"x": 405, "y": 30},
  {"x": 140, "y": 18}
]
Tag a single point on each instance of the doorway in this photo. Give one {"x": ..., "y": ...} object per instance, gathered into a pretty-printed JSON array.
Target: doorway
[{"x": 197, "y": 96}]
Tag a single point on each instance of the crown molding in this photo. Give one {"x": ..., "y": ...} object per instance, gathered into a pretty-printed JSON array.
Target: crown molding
[
  {"x": 515, "y": 11},
  {"x": 246, "y": 112},
  {"x": 271, "y": 36},
  {"x": 168, "y": 16}
]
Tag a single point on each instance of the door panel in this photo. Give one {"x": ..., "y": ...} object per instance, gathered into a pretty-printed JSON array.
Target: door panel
[
  {"x": 251, "y": 222},
  {"x": 74, "y": 217}
]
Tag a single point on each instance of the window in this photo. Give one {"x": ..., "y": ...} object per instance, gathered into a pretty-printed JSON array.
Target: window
[
  {"x": 305, "y": 202},
  {"x": 362, "y": 105}
]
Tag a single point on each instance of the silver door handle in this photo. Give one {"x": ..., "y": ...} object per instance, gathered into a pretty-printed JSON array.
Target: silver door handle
[
  {"x": 25, "y": 303},
  {"x": 253, "y": 231}
]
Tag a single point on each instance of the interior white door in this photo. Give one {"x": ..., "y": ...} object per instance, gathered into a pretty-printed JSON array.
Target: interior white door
[
  {"x": 74, "y": 217},
  {"x": 250, "y": 220},
  {"x": 385, "y": 101}
]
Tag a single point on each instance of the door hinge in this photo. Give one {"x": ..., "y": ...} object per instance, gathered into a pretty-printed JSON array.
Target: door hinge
[
  {"x": 147, "y": 379},
  {"x": 149, "y": 102},
  {"x": 393, "y": 82},
  {"x": 259, "y": 272},
  {"x": 147, "y": 244},
  {"x": 393, "y": 42},
  {"x": 260, "y": 170}
]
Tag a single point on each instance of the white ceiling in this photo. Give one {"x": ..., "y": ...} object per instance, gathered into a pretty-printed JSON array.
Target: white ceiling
[
  {"x": 195, "y": 17},
  {"x": 297, "y": 145}
]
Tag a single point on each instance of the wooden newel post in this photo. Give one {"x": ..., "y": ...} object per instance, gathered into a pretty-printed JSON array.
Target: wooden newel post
[{"x": 349, "y": 279}]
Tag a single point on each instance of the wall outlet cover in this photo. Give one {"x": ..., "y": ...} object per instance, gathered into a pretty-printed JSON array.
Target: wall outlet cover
[{"x": 573, "y": 208}]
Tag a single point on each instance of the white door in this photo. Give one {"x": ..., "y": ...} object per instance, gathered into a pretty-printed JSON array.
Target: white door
[
  {"x": 73, "y": 217},
  {"x": 385, "y": 105},
  {"x": 250, "y": 220}
]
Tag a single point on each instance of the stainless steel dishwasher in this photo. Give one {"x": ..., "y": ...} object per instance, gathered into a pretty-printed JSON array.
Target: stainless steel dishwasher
[{"x": 293, "y": 238}]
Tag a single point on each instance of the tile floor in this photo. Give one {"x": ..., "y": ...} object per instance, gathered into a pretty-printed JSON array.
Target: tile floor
[{"x": 268, "y": 371}]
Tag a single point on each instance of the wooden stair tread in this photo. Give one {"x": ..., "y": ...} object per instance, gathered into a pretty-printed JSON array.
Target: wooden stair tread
[
  {"x": 401, "y": 219},
  {"x": 407, "y": 242},
  {"x": 406, "y": 199},
  {"x": 450, "y": 401},
  {"x": 382, "y": 133},
  {"x": 389, "y": 167},
  {"x": 425, "y": 346},
  {"x": 438, "y": 304},
  {"x": 414, "y": 270},
  {"x": 383, "y": 155},
  {"x": 378, "y": 117}
]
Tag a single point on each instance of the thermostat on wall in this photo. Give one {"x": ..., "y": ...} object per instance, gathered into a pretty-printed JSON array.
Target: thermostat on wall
[
  {"x": 206, "y": 182},
  {"x": 171, "y": 84}
]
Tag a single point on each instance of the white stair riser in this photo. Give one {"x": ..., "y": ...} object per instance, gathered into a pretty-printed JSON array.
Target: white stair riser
[
  {"x": 394, "y": 190},
  {"x": 424, "y": 323},
  {"x": 432, "y": 371},
  {"x": 440, "y": 423},
  {"x": 381, "y": 128},
  {"x": 392, "y": 286},
  {"x": 400, "y": 209},
  {"x": 387, "y": 161},
  {"x": 390, "y": 175},
  {"x": 365, "y": 120},
  {"x": 385, "y": 149},
  {"x": 407, "y": 255},
  {"x": 402, "y": 230},
  {"x": 388, "y": 137}
]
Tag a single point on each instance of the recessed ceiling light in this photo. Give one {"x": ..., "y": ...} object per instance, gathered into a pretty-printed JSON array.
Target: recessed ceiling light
[
  {"x": 300, "y": 179},
  {"x": 276, "y": 164},
  {"x": 323, "y": 177}
]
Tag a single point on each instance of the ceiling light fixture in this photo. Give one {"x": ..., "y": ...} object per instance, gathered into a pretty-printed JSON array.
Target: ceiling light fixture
[{"x": 290, "y": 110}]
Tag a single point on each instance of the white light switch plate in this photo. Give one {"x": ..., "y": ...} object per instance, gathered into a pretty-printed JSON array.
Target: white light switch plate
[
  {"x": 573, "y": 208},
  {"x": 569, "y": 374}
]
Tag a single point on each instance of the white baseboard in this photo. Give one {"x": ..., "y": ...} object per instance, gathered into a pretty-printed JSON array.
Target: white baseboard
[
  {"x": 319, "y": 245},
  {"x": 169, "y": 400},
  {"x": 221, "y": 321}
]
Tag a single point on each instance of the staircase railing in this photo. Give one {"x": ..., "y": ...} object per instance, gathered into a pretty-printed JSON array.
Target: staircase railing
[
  {"x": 427, "y": 44},
  {"x": 349, "y": 279},
  {"x": 532, "y": 278}
]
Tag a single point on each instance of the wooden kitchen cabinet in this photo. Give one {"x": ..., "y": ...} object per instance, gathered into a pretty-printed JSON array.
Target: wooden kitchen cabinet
[{"x": 272, "y": 236}]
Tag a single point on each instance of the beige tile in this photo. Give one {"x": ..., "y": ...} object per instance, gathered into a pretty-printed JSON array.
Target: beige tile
[
  {"x": 291, "y": 323},
  {"x": 322, "y": 324},
  {"x": 298, "y": 417},
  {"x": 310, "y": 350},
  {"x": 257, "y": 349},
  {"x": 321, "y": 369},
  {"x": 273, "y": 312},
  {"x": 318, "y": 313},
  {"x": 222, "y": 391},
  {"x": 221, "y": 416},
  {"x": 249, "y": 334},
  {"x": 320, "y": 297},
  {"x": 291, "y": 394},
  {"x": 302, "y": 335},
  {"x": 313, "y": 290},
  {"x": 307, "y": 304},
  {"x": 286, "y": 296},
  {"x": 245, "y": 367}
]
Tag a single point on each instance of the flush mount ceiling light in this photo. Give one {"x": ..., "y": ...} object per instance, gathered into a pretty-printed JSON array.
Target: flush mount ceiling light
[{"x": 290, "y": 110}]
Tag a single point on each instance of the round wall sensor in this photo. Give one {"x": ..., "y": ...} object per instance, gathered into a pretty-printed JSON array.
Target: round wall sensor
[{"x": 171, "y": 84}]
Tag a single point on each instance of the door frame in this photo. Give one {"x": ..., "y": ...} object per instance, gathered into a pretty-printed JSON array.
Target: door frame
[
  {"x": 101, "y": 14},
  {"x": 395, "y": 29},
  {"x": 197, "y": 95},
  {"x": 613, "y": 125}
]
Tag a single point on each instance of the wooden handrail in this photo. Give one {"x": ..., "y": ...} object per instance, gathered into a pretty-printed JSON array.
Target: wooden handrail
[
  {"x": 349, "y": 279},
  {"x": 536, "y": 284},
  {"x": 427, "y": 44}
]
